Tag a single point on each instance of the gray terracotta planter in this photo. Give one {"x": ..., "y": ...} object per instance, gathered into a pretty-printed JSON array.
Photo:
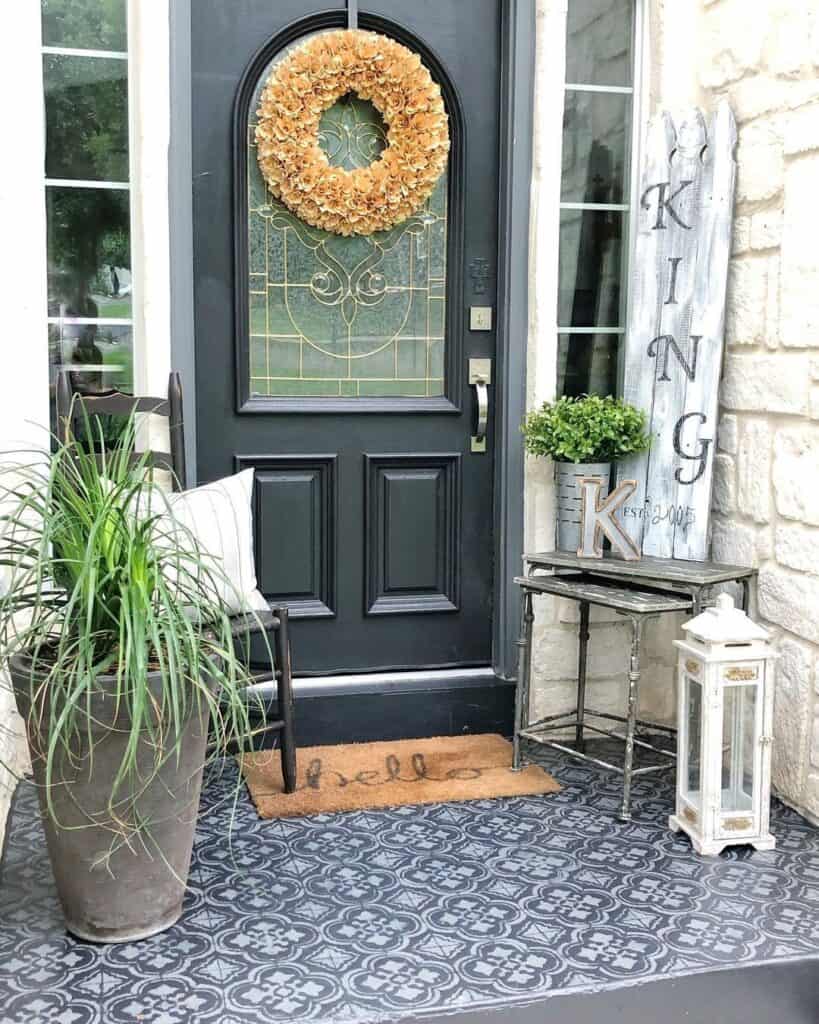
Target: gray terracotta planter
[
  {"x": 142, "y": 892},
  {"x": 568, "y": 498}
]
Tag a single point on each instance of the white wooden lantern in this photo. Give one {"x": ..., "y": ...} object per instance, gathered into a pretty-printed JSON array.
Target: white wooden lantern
[{"x": 724, "y": 722}]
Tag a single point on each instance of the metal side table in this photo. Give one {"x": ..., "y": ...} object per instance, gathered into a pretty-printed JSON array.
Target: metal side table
[
  {"x": 638, "y": 606},
  {"x": 695, "y": 579}
]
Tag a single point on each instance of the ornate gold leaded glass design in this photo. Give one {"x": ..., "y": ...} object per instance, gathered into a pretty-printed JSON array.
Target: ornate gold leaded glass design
[{"x": 344, "y": 317}]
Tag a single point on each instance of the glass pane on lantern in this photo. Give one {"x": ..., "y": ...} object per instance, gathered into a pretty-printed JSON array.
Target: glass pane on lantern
[
  {"x": 693, "y": 758},
  {"x": 739, "y": 745}
]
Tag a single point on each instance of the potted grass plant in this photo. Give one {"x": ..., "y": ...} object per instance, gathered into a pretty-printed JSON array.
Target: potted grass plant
[
  {"x": 124, "y": 670},
  {"x": 583, "y": 436}
]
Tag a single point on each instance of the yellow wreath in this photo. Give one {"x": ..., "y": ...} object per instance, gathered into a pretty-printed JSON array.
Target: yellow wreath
[{"x": 309, "y": 81}]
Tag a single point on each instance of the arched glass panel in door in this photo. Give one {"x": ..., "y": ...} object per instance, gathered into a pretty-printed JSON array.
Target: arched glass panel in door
[{"x": 343, "y": 317}]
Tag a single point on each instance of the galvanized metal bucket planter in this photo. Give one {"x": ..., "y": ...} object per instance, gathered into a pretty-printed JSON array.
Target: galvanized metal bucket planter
[
  {"x": 567, "y": 475},
  {"x": 113, "y": 890}
]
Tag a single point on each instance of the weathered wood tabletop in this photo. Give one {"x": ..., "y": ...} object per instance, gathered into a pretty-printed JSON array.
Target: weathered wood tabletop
[
  {"x": 669, "y": 570},
  {"x": 624, "y": 599}
]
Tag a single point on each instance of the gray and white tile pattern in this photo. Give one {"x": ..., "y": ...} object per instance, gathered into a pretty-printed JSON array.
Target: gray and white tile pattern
[{"x": 371, "y": 915}]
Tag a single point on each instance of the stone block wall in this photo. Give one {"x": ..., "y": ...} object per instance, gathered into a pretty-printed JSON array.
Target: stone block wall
[{"x": 766, "y": 498}]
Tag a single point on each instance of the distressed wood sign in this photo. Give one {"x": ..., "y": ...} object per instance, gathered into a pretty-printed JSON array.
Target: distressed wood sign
[{"x": 673, "y": 355}]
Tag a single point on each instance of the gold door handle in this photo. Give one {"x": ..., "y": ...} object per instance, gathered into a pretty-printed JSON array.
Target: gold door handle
[{"x": 480, "y": 377}]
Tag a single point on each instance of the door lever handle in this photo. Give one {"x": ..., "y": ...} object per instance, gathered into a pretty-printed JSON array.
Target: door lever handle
[{"x": 480, "y": 377}]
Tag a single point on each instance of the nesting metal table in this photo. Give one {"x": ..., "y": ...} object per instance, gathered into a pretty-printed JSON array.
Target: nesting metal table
[{"x": 639, "y": 591}]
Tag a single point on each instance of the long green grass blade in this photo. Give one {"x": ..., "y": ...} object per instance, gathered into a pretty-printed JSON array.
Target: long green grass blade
[{"x": 107, "y": 591}]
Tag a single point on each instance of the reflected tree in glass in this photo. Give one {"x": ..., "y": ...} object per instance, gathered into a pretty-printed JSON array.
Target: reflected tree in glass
[
  {"x": 86, "y": 108},
  {"x": 88, "y": 234},
  {"x": 88, "y": 239},
  {"x": 85, "y": 24}
]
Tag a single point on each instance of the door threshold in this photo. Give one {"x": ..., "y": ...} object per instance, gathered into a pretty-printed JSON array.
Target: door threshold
[
  {"x": 389, "y": 682},
  {"x": 366, "y": 707}
]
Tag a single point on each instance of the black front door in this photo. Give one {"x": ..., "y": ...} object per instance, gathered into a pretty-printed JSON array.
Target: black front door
[{"x": 338, "y": 367}]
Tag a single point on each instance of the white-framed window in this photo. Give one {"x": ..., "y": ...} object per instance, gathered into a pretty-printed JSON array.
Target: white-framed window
[
  {"x": 88, "y": 161},
  {"x": 598, "y": 168}
]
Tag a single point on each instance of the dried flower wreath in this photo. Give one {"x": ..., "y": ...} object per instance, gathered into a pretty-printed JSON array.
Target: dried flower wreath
[{"x": 307, "y": 82}]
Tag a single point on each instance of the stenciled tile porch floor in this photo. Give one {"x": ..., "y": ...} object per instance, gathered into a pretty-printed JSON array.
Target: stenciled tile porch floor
[{"x": 369, "y": 916}]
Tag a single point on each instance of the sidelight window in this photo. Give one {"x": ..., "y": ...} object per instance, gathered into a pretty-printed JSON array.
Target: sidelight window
[
  {"x": 88, "y": 194},
  {"x": 595, "y": 193}
]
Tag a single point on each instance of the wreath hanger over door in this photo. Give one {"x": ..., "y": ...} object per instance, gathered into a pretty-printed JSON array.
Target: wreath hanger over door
[{"x": 306, "y": 83}]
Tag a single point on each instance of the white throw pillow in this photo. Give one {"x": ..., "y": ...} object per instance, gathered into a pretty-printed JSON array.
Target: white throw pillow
[{"x": 220, "y": 517}]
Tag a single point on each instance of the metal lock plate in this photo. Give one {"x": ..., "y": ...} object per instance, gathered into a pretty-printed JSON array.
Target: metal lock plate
[
  {"x": 480, "y": 371},
  {"x": 480, "y": 318}
]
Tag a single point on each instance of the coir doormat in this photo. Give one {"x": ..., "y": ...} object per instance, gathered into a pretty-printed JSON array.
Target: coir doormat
[{"x": 359, "y": 776}]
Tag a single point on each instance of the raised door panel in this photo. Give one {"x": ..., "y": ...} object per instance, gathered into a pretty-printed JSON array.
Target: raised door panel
[
  {"x": 412, "y": 533},
  {"x": 294, "y": 518}
]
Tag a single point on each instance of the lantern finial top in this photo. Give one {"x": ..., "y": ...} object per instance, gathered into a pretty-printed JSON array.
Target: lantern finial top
[{"x": 723, "y": 623}]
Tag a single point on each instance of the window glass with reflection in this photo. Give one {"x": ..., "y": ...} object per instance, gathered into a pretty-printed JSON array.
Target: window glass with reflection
[
  {"x": 595, "y": 194},
  {"x": 88, "y": 194},
  {"x": 85, "y": 24}
]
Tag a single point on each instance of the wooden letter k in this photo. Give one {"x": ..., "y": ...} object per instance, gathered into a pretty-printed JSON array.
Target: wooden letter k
[{"x": 598, "y": 518}]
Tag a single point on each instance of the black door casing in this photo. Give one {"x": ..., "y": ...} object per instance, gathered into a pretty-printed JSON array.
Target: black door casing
[{"x": 374, "y": 524}]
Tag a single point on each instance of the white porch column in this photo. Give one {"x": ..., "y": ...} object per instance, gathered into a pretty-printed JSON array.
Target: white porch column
[
  {"x": 24, "y": 371},
  {"x": 149, "y": 96}
]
